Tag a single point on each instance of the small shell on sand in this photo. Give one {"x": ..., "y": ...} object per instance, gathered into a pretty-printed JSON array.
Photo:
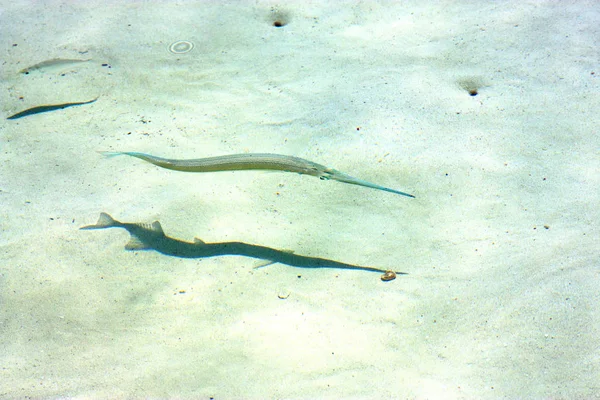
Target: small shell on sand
[{"x": 388, "y": 276}]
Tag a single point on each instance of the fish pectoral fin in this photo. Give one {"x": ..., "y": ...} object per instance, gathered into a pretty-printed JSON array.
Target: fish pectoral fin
[
  {"x": 199, "y": 241},
  {"x": 135, "y": 243},
  {"x": 263, "y": 263}
]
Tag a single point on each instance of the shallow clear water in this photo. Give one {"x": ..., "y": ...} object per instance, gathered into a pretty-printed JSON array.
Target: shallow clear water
[{"x": 486, "y": 113}]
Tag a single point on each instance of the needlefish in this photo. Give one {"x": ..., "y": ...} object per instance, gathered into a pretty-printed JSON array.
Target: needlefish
[
  {"x": 54, "y": 65},
  {"x": 255, "y": 161},
  {"x": 48, "y": 107}
]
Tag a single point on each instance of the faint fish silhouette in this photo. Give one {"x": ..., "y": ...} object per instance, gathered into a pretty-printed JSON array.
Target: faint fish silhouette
[{"x": 152, "y": 237}]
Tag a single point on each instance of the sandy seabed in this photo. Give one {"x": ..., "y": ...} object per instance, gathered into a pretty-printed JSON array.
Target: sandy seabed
[{"x": 486, "y": 112}]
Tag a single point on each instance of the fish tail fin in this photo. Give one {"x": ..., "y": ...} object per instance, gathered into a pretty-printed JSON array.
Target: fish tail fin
[
  {"x": 104, "y": 221},
  {"x": 110, "y": 154}
]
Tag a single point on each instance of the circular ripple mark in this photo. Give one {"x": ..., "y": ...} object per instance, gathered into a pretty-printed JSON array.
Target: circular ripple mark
[{"x": 181, "y": 47}]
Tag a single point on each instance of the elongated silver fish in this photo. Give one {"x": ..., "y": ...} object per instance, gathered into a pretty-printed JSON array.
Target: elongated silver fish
[
  {"x": 47, "y": 108},
  {"x": 54, "y": 65},
  {"x": 255, "y": 161}
]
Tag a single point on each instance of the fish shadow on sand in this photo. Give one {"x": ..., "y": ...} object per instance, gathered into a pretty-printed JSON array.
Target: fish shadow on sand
[{"x": 152, "y": 237}]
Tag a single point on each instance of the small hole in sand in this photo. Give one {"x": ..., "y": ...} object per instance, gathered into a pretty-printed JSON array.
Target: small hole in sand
[
  {"x": 279, "y": 18},
  {"x": 471, "y": 85}
]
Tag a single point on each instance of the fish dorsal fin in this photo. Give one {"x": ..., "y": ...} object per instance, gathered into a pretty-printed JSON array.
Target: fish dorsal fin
[
  {"x": 135, "y": 243},
  {"x": 153, "y": 227},
  {"x": 199, "y": 241},
  {"x": 156, "y": 227}
]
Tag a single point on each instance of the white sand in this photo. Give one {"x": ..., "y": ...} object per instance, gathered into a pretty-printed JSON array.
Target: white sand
[{"x": 501, "y": 244}]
